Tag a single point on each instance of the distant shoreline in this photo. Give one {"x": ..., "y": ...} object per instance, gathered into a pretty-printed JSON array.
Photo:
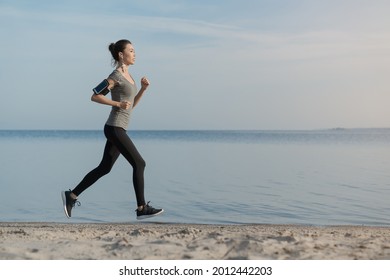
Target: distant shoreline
[{"x": 203, "y": 130}]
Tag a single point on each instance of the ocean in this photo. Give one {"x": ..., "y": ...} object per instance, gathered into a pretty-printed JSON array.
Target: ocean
[{"x": 316, "y": 177}]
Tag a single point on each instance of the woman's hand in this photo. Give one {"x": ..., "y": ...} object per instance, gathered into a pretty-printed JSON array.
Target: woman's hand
[
  {"x": 125, "y": 105},
  {"x": 144, "y": 83}
]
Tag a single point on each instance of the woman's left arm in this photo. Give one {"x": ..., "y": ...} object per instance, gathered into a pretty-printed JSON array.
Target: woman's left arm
[{"x": 144, "y": 85}]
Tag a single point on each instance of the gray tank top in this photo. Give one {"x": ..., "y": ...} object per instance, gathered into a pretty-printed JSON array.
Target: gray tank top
[{"x": 123, "y": 91}]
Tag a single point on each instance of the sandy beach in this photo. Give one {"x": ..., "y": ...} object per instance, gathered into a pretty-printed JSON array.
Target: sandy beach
[{"x": 142, "y": 241}]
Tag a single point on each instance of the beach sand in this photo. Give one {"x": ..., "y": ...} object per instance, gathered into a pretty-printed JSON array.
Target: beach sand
[{"x": 142, "y": 241}]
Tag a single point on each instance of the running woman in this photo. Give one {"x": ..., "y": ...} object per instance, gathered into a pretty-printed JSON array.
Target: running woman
[{"x": 124, "y": 97}]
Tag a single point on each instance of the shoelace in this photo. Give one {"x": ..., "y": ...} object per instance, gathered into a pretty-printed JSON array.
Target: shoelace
[
  {"x": 146, "y": 206},
  {"x": 76, "y": 202}
]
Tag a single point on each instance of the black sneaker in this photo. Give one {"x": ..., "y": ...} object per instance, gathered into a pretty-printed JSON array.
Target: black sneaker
[
  {"x": 69, "y": 203},
  {"x": 148, "y": 212}
]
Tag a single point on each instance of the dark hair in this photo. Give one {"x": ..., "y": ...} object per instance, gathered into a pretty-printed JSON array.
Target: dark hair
[{"x": 116, "y": 48}]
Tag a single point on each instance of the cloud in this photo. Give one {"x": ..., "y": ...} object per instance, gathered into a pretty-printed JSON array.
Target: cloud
[
  {"x": 207, "y": 69},
  {"x": 270, "y": 44}
]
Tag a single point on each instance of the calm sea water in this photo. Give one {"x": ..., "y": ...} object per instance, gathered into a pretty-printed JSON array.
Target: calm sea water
[{"x": 225, "y": 177}]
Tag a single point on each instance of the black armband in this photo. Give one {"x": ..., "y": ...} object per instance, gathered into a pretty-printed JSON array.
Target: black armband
[{"x": 101, "y": 88}]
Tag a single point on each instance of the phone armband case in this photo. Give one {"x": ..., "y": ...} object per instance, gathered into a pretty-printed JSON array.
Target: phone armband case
[{"x": 101, "y": 88}]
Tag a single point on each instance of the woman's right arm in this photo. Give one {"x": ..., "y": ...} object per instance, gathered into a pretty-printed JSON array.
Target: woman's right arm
[{"x": 101, "y": 99}]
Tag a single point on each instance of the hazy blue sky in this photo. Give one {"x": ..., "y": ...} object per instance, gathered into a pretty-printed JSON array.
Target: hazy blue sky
[{"x": 264, "y": 64}]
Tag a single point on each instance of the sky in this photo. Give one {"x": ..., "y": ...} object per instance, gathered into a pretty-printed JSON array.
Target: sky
[{"x": 261, "y": 64}]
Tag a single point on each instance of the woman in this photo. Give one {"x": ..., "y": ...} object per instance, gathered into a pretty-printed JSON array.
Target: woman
[{"x": 124, "y": 99}]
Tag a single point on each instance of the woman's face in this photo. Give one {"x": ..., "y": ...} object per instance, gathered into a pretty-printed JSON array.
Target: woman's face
[{"x": 128, "y": 55}]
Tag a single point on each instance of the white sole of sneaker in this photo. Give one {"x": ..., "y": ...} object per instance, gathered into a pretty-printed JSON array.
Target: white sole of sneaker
[
  {"x": 64, "y": 203},
  {"x": 143, "y": 217}
]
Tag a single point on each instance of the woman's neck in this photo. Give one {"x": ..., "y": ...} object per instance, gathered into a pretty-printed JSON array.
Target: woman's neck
[{"x": 123, "y": 68}]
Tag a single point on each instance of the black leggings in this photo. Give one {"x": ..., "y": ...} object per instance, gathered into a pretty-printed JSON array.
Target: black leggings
[{"x": 118, "y": 142}]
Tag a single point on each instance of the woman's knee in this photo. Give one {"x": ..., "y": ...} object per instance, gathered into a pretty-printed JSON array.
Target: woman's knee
[
  {"x": 104, "y": 169},
  {"x": 138, "y": 164},
  {"x": 141, "y": 164}
]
